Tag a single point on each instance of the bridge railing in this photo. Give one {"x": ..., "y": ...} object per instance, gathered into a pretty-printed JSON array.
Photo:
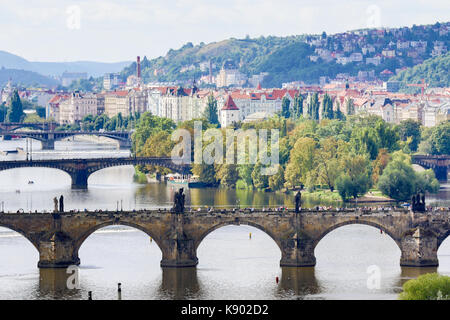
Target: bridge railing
[{"x": 236, "y": 210}]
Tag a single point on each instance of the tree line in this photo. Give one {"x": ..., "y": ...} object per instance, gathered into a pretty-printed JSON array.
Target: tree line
[{"x": 349, "y": 155}]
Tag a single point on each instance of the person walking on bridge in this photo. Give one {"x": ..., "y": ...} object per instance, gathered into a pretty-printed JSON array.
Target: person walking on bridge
[{"x": 61, "y": 204}]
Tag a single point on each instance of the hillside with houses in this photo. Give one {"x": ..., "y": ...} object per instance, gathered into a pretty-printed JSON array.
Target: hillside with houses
[{"x": 361, "y": 55}]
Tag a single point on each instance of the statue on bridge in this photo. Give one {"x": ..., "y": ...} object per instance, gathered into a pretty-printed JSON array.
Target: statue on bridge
[
  {"x": 178, "y": 201},
  {"x": 418, "y": 203},
  {"x": 298, "y": 201},
  {"x": 61, "y": 204}
]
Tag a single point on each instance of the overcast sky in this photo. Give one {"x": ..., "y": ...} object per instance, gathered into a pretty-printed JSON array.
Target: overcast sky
[{"x": 113, "y": 30}]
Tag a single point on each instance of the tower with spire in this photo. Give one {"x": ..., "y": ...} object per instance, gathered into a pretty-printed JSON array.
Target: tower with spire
[{"x": 229, "y": 113}]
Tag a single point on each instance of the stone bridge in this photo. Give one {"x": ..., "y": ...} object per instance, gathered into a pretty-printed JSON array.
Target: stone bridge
[
  {"x": 80, "y": 169},
  {"x": 439, "y": 164},
  {"x": 48, "y": 138},
  {"x": 59, "y": 236}
]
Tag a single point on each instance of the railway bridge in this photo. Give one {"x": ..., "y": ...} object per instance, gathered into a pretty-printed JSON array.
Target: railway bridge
[
  {"x": 440, "y": 164},
  {"x": 48, "y": 138}
]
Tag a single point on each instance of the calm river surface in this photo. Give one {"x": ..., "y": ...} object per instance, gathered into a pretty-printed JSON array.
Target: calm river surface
[{"x": 231, "y": 266}]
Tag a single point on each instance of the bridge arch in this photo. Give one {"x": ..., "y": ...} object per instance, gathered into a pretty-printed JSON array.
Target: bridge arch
[
  {"x": 80, "y": 240},
  {"x": 441, "y": 239},
  {"x": 360, "y": 222},
  {"x": 41, "y": 166},
  {"x": 22, "y": 233},
  {"x": 232, "y": 222}
]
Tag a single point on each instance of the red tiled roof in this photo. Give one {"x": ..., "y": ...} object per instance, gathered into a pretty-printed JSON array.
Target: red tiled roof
[{"x": 229, "y": 104}]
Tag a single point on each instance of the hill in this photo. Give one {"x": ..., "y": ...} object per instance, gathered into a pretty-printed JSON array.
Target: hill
[
  {"x": 25, "y": 78},
  {"x": 94, "y": 69},
  {"x": 301, "y": 57},
  {"x": 434, "y": 71}
]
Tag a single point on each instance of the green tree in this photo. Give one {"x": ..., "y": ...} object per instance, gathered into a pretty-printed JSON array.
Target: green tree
[
  {"x": 315, "y": 106},
  {"x": 285, "y": 107},
  {"x": 350, "y": 107},
  {"x": 440, "y": 139},
  {"x": 211, "y": 113},
  {"x": 364, "y": 140},
  {"x": 158, "y": 145},
  {"x": 276, "y": 181},
  {"x": 410, "y": 128},
  {"x": 260, "y": 180},
  {"x": 147, "y": 125},
  {"x": 3, "y": 111},
  {"x": 100, "y": 122},
  {"x": 354, "y": 180},
  {"x": 338, "y": 114},
  {"x": 328, "y": 164},
  {"x": 426, "y": 181},
  {"x": 297, "y": 108},
  {"x": 205, "y": 172},
  {"x": 430, "y": 286},
  {"x": 301, "y": 161},
  {"x": 327, "y": 107},
  {"x": 398, "y": 180},
  {"x": 245, "y": 173},
  {"x": 15, "y": 110},
  {"x": 227, "y": 174}
]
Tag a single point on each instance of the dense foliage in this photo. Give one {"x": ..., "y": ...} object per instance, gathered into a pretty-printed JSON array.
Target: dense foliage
[
  {"x": 350, "y": 156},
  {"x": 434, "y": 71},
  {"x": 430, "y": 286}
]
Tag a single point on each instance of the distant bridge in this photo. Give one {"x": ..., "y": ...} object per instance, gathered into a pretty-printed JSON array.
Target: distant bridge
[
  {"x": 48, "y": 138},
  {"x": 11, "y": 126},
  {"x": 439, "y": 164},
  {"x": 80, "y": 169},
  {"x": 59, "y": 236}
]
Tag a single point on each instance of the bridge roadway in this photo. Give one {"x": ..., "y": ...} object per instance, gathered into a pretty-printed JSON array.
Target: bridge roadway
[
  {"x": 48, "y": 138},
  {"x": 440, "y": 164},
  {"x": 80, "y": 169},
  {"x": 59, "y": 236}
]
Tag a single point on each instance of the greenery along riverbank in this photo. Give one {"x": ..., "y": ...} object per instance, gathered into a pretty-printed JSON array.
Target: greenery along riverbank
[{"x": 349, "y": 155}]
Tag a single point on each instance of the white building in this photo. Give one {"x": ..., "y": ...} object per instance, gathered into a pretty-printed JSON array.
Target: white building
[
  {"x": 229, "y": 113},
  {"x": 76, "y": 107}
]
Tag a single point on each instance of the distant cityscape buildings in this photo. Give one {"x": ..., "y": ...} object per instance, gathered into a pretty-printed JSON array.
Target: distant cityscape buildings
[{"x": 240, "y": 97}]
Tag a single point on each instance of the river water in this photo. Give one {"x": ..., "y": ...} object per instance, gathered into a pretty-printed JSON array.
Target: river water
[{"x": 231, "y": 265}]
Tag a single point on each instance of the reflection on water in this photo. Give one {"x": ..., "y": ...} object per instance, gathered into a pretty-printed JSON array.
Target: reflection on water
[
  {"x": 180, "y": 284},
  {"x": 53, "y": 284},
  {"x": 298, "y": 283}
]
